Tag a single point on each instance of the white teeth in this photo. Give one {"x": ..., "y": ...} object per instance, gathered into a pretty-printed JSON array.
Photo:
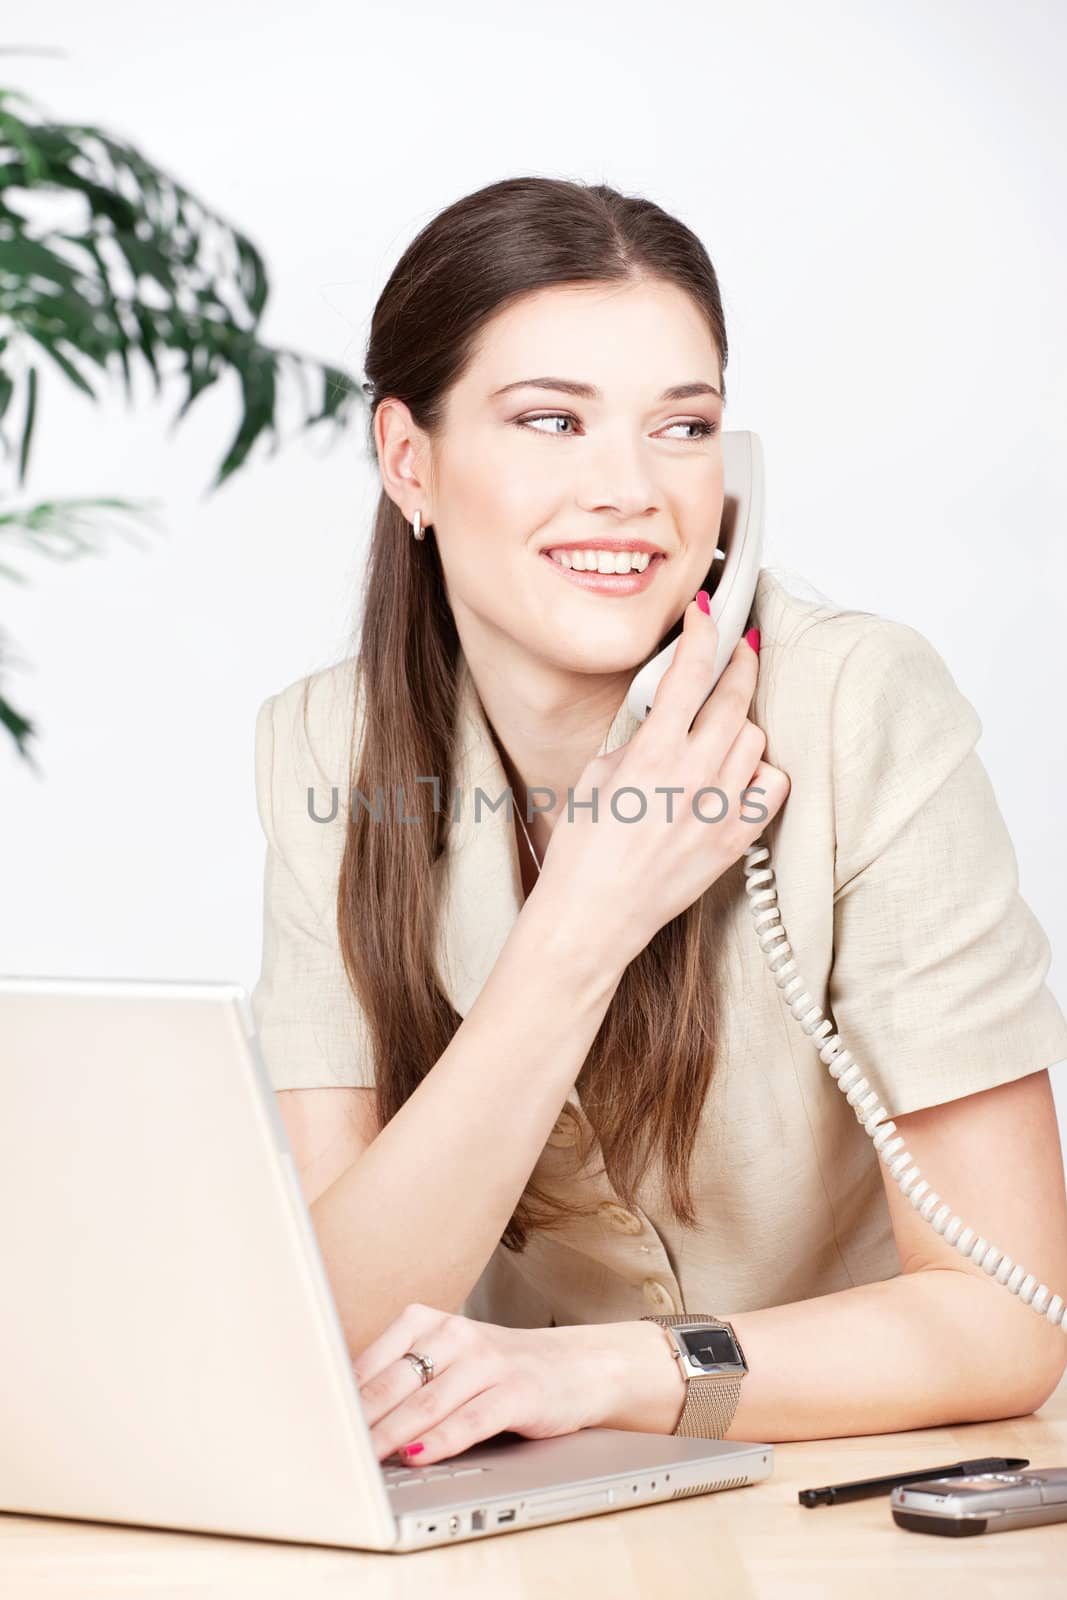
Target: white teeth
[{"x": 608, "y": 561}]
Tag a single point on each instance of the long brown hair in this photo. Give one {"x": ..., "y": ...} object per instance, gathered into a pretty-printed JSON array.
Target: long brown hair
[{"x": 644, "y": 1082}]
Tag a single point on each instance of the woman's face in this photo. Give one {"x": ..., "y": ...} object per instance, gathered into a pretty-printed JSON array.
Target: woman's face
[{"x": 521, "y": 471}]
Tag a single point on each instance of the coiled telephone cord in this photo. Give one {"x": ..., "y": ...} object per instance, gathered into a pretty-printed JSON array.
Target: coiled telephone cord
[{"x": 870, "y": 1113}]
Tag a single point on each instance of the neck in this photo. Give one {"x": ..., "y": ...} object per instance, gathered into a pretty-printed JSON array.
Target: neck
[{"x": 547, "y": 727}]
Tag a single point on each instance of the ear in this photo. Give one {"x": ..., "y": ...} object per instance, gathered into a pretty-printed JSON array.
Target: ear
[{"x": 403, "y": 451}]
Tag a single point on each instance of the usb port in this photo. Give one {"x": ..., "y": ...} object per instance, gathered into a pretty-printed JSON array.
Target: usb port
[{"x": 506, "y": 1516}]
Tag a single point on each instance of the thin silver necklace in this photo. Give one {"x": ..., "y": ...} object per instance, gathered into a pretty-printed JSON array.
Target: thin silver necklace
[
  {"x": 529, "y": 841},
  {"x": 522, "y": 824}
]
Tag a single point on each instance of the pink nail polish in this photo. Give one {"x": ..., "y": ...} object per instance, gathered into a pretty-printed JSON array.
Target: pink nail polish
[
  {"x": 752, "y": 637},
  {"x": 412, "y": 1449},
  {"x": 704, "y": 602}
]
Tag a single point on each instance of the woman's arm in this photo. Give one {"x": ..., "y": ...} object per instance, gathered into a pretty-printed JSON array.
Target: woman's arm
[
  {"x": 942, "y": 1342},
  {"x": 421, "y": 1211},
  {"x": 925, "y": 1349}
]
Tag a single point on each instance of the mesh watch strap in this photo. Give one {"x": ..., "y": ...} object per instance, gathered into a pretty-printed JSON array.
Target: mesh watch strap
[{"x": 710, "y": 1401}]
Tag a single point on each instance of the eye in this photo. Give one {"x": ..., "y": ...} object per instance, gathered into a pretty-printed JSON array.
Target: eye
[
  {"x": 545, "y": 416},
  {"x": 705, "y": 429}
]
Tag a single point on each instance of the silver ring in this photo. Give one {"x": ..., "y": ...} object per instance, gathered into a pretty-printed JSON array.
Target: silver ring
[{"x": 423, "y": 1364}]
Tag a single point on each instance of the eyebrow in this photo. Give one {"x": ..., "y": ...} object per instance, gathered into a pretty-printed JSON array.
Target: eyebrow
[{"x": 587, "y": 391}]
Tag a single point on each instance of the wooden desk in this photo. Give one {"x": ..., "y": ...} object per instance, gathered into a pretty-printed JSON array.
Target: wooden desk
[{"x": 755, "y": 1543}]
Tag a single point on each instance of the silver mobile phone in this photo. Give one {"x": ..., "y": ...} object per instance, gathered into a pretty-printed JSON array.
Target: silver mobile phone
[{"x": 988, "y": 1502}]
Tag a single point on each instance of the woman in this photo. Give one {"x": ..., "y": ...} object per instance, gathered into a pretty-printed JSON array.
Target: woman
[{"x": 538, "y": 1080}]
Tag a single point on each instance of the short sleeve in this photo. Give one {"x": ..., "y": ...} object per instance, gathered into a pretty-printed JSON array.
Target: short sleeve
[
  {"x": 938, "y": 983},
  {"x": 311, "y": 1029}
]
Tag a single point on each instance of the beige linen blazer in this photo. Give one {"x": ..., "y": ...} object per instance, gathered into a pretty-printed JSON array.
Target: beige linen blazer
[{"x": 898, "y": 886}]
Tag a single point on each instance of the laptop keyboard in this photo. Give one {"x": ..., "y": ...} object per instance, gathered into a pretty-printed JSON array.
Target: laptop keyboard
[
  {"x": 402, "y": 1477},
  {"x": 462, "y": 1466}
]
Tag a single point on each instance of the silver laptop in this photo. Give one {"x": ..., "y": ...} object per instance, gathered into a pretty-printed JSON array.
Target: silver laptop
[{"x": 170, "y": 1354}]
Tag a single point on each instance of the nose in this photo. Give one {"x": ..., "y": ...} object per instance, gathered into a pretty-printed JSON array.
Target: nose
[{"x": 616, "y": 476}]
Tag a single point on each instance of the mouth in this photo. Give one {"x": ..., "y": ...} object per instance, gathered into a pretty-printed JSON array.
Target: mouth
[{"x": 643, "y": 569}]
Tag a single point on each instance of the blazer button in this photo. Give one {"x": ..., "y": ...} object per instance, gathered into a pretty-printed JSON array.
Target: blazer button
[
  {"x": 619, "y": 1218},
  {"x": 658, "y": 1296}
]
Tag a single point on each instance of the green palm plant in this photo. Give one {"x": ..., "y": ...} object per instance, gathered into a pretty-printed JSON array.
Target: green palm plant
[{"x": 147, "y": 271}]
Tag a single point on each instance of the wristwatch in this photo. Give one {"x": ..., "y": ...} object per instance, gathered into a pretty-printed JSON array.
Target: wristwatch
[{"x": 708, "y": 1352}]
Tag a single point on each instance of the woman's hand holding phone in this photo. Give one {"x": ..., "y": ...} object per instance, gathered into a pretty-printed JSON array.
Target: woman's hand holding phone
[{"x": 626, "y": 874}]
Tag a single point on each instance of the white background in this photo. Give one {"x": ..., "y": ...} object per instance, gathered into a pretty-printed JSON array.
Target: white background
[{"x": 880, "y": 188}]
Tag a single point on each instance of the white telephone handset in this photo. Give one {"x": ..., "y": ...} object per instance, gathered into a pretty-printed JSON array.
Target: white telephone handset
[{"x": 740, "y": 550}]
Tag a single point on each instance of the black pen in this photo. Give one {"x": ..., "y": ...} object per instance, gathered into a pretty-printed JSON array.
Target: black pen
[{"x": 862, "y": 1488}]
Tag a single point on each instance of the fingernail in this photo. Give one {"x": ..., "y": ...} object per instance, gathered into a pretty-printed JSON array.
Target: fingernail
[
  {"x": 752, "y": 636},
  {"x": 412, "y": 1449},
  {"x": 703, "y": 602}
]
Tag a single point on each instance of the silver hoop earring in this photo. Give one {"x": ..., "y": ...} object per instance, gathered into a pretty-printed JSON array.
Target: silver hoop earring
[{"x": 417, "y": 527}]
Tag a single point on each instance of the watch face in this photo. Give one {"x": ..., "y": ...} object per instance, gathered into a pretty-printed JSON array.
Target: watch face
[{"x": 710, "y": 1347}]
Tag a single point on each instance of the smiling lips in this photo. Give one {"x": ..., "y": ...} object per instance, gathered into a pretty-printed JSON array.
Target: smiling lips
[
  {"x": 599, "y": 560},
  {"x": 606, "y": 571}
]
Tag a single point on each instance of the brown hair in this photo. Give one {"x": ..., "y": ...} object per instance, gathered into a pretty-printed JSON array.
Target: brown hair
[{"x": 644, "y": 1082}]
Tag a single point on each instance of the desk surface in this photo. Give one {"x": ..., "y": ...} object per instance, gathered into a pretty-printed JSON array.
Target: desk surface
[{"x": 756, "y": 1543}]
